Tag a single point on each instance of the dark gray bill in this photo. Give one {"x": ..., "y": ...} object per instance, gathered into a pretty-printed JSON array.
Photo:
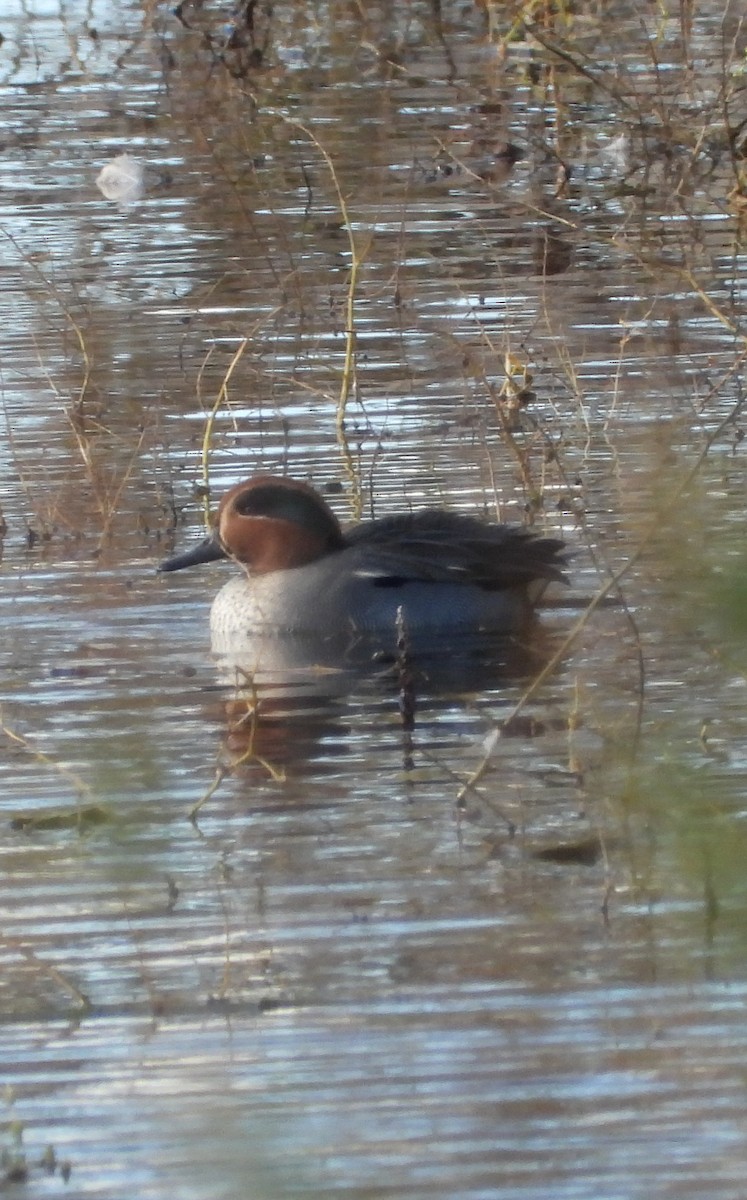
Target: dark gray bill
[{"x": 208, "y": 551}]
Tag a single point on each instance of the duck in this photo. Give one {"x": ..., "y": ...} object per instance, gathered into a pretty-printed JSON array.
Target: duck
[{"x": 431, "y": 573}]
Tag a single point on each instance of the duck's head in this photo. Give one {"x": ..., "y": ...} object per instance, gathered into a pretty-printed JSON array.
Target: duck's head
[{"x": 268, "y": 523}]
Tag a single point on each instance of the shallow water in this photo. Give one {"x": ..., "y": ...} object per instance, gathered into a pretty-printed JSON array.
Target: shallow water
[{"x": 354, "y": 971}]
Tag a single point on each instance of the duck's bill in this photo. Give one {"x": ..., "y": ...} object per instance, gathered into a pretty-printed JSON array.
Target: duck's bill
[{"x": 208, "y": 551}]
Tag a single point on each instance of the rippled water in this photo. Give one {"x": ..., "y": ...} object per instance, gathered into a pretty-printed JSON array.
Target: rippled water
[{"x": 365, "y": 960}]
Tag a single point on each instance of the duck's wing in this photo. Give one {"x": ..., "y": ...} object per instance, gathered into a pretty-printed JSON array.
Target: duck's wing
[{"x": 433, "y": 545}]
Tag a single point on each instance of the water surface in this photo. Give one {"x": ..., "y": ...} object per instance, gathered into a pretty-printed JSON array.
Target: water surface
[{"x": 353, "y": 971}]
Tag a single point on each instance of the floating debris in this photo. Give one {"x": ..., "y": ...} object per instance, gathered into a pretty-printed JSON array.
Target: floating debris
[
  {"x": 122, "y": 179},
  {"x": 583, "y": 852},
  {"x": 73, "y": 817}
]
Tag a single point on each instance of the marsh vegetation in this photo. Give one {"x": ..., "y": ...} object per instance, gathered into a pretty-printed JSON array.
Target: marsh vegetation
[{"x": 488, "y": 256}]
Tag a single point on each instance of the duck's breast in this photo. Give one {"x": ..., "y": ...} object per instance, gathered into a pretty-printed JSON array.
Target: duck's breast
[{"x": 344, "y": 594}]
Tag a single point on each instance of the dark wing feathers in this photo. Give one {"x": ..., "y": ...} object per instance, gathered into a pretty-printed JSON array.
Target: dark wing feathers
[{"x": 442, "y": 546}]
